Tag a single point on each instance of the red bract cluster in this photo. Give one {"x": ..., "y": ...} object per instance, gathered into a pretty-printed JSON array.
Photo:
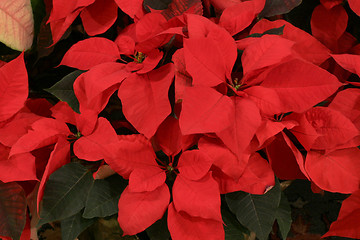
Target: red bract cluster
[{"x": 210, "y": 105}]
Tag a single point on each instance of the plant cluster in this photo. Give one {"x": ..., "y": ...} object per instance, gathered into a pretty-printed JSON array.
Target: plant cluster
[{"x": 186, "y": 120}]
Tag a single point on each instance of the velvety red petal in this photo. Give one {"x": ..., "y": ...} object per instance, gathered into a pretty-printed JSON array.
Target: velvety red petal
[
  {"x": 146, "y": 179},
  {"x": 194, "y": 164}
]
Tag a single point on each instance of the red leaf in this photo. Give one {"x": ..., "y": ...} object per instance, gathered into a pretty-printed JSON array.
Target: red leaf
[
  {"x": 348, "y": 103},
  {"x": 332, "y": 127},
  {"x": 256, "y": 179},
  {"x": 91, "y": 52},
  {"x": 197, "y": 198},
  {"x": 237, "y": 17},
  {"x": 347, "y": 223},
  {"x": 205, "y": 110},
  {"x": 99, "y": 16},
  {"x": 185, "y": 227},
  {"x": 131, "y": 152},
  {"x": 205, "y": 62},
  {"x": 266, "y": 51},
  {"x": 269, "y": 128},
  {"x": 145, "y": 99},
  {"x": 90, "y": 147},
  {"x": 59, "y": 27},
  {"x": 169, "y": 136},
  {"x": 13, "y": 210},
  {"x": 223, "y": 158},
  {"x": 330, "y": 3},
  {"x": 182, "y": 77},
  {"x": 13, "y": 87},
  {"x": 201, "y": 27},
  {"x": 20, "y": 167},
  {"x": 245, "y": 123},
  {"x": 178, "y": 7},
  {"x": 304, "y": 132},
  {"x": 17, "y": 127},
  {"x": 337, "y": 171},
  {"x": 131, "y": 8},
  {"x": 306, "y": 46},
  {"x": 45, "y": 132},
  {"x": 328, "y": 25},
  {"x": 355, "y": 6},
  {"x": 61, "y": 9},
  {"x": 266, "y": 99},
  {"x": 349, "y": 62},
  {"x": 194, "y": 164},
  {"x": 58, "y": 158},
  {"x": 300, "y": 85},
  {"x": 138, "y": 211},
  {"x": 284, "y": 159},
  {"x": 146, "y": 179},
  {"x": 94, "y": 94}
]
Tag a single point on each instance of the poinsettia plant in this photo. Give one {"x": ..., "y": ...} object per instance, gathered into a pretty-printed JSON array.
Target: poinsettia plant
[{"x": 181, "y": 119}]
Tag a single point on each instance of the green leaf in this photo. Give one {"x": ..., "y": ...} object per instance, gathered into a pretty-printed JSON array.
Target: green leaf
[
  {"x": 65, "y": 192},
  {"x": 278, "y": 7},
  {"x": 71, "y": 227},
  {"x": 64, "y": 90},
  {"x": 12, "y": 210},
  {"x": 256, "y": 212},
  {"x": 104, "y": 196},
  {"x": 283, "y": 216},
  {"x": 156, "y": 4},
  {"x": 273, "y": 31},
  {"x": 39, "y": 12},
  {"x": 159, "y": 230},
  {"x": 233, "y": 229}
]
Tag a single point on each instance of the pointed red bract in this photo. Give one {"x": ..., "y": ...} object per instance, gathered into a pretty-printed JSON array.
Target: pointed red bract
[
  {"x": 245, "y": 123},
  {"x": 332, "y": 127},
  {"x": 266, "y": 51},
  {"x": 185, "y": 227},
  {"x": 348, "y": 103},
  {"x": 99, "y": 16},
  {"x": 145, "y": 99},
  {"x": 285, "y": 160},
  {"x": 194, "y": 164},
  {"x": 300, "y": 85},
  {"x": 138, "y": 211},
  {"x": 204, "y": 61},
  {"x": 306, "y": 46},
  {"x": 205, "y": 110},
  {"x": 328, "y": 25},
  {"x": 237, "y": 17},
  {"x": 337, "y": 171},
  {"x": 146, "y": 179},
  {"x": 346, "y": 224},
  {"x": 197, "y": 198},
  {"x": 223, "y": 158},
  {"x": 13, "y": 87},
  {"x": 90, "y": 147},
  {"x": 131, "y": 152},
  {"x": 91, "y": 52},
  {"x": 355, "y": 6},
  {"x": 58, "y": 158}
]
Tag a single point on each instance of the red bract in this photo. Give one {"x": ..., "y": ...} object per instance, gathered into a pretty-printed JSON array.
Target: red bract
[
  {"x": 13, "y": 87},
  {"x": 97, "y": 16}
]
